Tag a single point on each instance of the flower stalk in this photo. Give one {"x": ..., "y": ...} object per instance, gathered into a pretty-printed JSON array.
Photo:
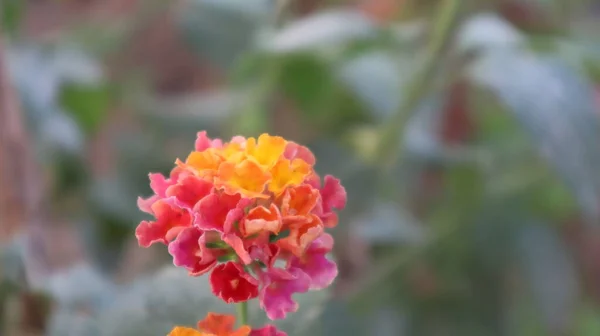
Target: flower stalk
[{"x": 242, "y": 312}]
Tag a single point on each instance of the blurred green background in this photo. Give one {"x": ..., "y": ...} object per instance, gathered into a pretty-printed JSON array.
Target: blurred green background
[{"x": 466, "y": 133}]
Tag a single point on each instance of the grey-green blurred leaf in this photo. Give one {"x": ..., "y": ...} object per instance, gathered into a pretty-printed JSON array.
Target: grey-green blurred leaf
[
  {"x": 113, "y": 197},
  {"x": 552, "y": 276},
  {"x": 421, "y": 137},
  {"x": 556, "y": 106},
  {"x": 339, "y": 320},
  {"x": 40, "y": 74},
  {"x": 588, "y": 321},
  {"x": 190, "y": 113},
  {"x": 222, "y": 29},
  {"x": 322, "y": 30},
  {"x": 487, "y": 31},
  {"x": 388, "y": 223},
  {"x": 11, "y": 260},
  {"x": 59, "y": 132},
  {"x": 377, "y": 80},
  {"x": 81, "y": 286},
  {"x": 64, "y": 322}
]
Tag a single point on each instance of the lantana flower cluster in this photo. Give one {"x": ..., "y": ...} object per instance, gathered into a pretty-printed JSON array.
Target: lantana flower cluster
[
  {"x": 253, "y": 214},
  {"x": 223, "y": 325}
]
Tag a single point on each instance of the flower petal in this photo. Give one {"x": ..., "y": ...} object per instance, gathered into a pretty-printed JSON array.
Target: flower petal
[
  {"x": 288, "y": 173},
  {"x": 246, "y": 178},
  {"x": 333, "y": 196},
  {"x": 231, "y": 283},
  {"x": 297, "y": 202},
  {"x": 268, "y": 330},
  {"x": 170, "y": 220},
  {"x": 237, "y": 244},
  {"x": 218, "y": 211},
  {"x": 184, "y": 331},
  {"x": 218, "y": 324},
  {"x": 189, "y": 251},
  {"x": 203, "y": 142},
  {"x": 301, "y": 235},
  {"x": 267, "y": 150},
  {"x": 294, "y": 150},
  {"x": 278, "y": 287},
  {"x": 189, "y": 190},
  {"x": 261, "y": 219}
]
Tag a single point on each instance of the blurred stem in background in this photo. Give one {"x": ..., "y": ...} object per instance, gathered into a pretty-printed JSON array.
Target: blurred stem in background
[
  {"x": 441, "y": 32},
  {"x": 242, "y": 312}
]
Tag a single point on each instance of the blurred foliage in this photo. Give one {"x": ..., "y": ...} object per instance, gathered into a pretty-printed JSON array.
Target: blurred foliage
[{"x": 487, "y": 224}]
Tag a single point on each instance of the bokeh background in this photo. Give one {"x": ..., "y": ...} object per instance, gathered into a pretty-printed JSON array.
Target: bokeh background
[{"x": 466, "y": 133}]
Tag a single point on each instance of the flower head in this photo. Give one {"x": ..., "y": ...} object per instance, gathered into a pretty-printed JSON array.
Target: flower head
[
  {"x": 234, "y": 209},
  {"x": 223, "y": 325},
  {"x": 213, "y": 325}
]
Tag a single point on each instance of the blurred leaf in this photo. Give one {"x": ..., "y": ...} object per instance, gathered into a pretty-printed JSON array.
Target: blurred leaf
[
  {"x": 222, "y": 29},
  {"x": 557, "y": 107},
  {"x": 37, "y": 82},
  {"x": 388, "y": 223},
  {"x": 71, "y": 323},
  {"x": 487, "y": 31},
  {"x": 40, "y": 72},
  {"x": 580, "y": 52},
  {"x": 189, "y": 113},
  {"x": 409, "y": 33},
  {"x": 11, "y": 260},
  {"x": 88, "y": 105},
  {"x": 307, "y": 81},
  {"x": 552, "y": 200},
  {"x": 337, "y": 319},
  {"x": 81, "y": 287},
  {"x": 75, "y": 66},
  {"x": 421, "y": 137},
  {"x": 379, "y": 80},
  {"x": 59, "y": 132},
  {"x": 322, "y": 30},
  {"x": 71, "y": 174},
  {"x": 588, "y": 321},
  {"x": 11, "y": 12},
  {"x": 113, "y": 197},
  {"x": 494, "y": 232},
  {"x": 546, "y": 262},
  {"x": 376, "y": 79}
]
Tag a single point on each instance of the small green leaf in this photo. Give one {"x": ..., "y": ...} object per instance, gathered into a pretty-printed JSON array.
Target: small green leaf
[
  {"x": 228, "y": 257},
  {"x": 282, "y": 235},
  {"x": 216, "y": 245}
]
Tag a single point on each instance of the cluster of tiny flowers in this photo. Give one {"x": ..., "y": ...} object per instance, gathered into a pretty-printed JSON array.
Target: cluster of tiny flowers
[
  {"x": 253, "y": 214},
  {"x": 223, "y": 325}
]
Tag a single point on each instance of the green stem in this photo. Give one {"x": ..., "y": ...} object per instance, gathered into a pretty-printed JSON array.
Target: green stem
[
  {"x": 387, "y": 148},
  {"x": 242, "y": 312}
]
